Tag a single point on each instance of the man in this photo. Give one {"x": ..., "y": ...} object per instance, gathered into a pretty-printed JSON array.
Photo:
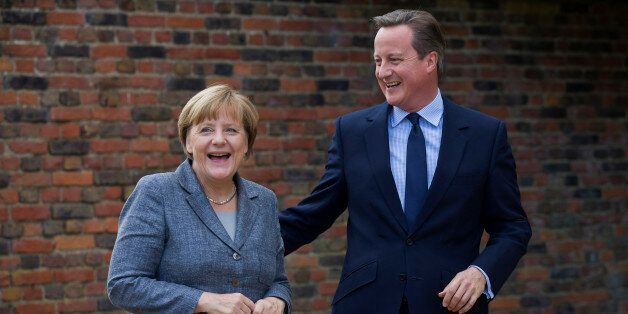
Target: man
[{"x": 420, "y": 189}]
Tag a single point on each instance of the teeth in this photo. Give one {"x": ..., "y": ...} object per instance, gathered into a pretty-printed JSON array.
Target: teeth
[{"x": 392, "y": 84}]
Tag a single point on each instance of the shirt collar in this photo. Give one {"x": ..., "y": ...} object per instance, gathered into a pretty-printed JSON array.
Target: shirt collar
[{"x": 432, "y": 113}]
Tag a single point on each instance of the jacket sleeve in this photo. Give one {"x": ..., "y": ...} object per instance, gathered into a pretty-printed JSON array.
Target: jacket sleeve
[
  {"x": 504, "y": 219},
  {"x": 280, "y": 287},
  {"x": 132, "y": 283},
  {"x": 302, "y": 223}
]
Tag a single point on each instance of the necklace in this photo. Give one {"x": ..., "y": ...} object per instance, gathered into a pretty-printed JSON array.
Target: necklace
[{"x": 225, "y": 201}]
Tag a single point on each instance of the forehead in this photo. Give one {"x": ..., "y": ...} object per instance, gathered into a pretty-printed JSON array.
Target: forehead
[
  {"x": 393, "y": 40},
  {"x": 222, "y": 116}
]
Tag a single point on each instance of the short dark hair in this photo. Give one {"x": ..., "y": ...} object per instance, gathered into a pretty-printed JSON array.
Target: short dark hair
[{"x": 427, "y": 33}]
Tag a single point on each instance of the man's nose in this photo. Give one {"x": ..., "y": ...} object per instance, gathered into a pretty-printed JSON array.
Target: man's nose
[{"x": 383, "y": 71}]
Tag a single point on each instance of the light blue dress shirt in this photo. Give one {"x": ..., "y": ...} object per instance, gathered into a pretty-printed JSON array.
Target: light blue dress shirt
[{"x": 431, "y": 124}]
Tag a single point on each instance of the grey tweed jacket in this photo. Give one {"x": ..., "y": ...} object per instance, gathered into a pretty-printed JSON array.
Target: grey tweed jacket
[{"x": 171, "y": 246}]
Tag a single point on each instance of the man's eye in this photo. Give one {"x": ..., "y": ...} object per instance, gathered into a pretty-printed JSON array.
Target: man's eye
[
  {"x": 378, "y": 62},
  {"x": 395, "y": 61}
]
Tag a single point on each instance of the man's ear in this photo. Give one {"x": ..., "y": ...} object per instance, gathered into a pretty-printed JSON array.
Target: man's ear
[{"x": 432, "y": 61}]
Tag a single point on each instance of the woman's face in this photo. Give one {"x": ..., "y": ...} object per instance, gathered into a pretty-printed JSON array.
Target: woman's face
[{"x": 218, "y": 147}]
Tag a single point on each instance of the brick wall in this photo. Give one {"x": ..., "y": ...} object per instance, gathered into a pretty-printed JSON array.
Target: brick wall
[{"x": 90, "y": 90}]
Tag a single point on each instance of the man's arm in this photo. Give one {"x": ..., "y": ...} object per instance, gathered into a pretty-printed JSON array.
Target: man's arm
[
  {"x": 302, "y": 223},
  {"x": 508, "y": 228}
]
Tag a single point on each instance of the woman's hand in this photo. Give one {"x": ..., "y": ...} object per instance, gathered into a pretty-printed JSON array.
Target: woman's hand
[
  {"x": 224, "y": 303},
  {"x": 269, "y": 305}
]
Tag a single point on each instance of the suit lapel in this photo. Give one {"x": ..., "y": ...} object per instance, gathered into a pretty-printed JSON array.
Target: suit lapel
[
  {"x": 247, "y": 212},
  {"x": 453, "y": 142},
  {"x": 376, "y": 139},
  {"x": 199, "y": 203}
]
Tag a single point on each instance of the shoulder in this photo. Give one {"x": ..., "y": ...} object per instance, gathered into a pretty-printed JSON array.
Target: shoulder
[
  {"x": 471, "y": 117},
  {"x": 156, "y": 182},
  {"x": 366, "y": 113},
  {"x": 256, "y": 189}
]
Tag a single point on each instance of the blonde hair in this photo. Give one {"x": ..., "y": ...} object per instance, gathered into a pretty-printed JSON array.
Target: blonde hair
[{"x": 209, "y": 102}]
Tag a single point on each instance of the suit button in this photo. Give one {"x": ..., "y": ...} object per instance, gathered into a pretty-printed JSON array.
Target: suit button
[
  {"x": 235, "y": 282},
  {"x": 409, "y": 242},
  {"x": 236, "y": 256},
  {"x": 402, "y": 277}
]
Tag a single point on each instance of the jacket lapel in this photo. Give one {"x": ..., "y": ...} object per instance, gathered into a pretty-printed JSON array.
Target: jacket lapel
[
  {"x": 376, "y": 139},
  {"x": 199, "y": 203},
  {"x": 453, "y": 142},
  {"x": 247, "y": 212}
]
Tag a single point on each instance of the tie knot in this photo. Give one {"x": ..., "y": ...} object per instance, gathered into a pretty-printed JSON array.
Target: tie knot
[{"x": 414, "y": 118}]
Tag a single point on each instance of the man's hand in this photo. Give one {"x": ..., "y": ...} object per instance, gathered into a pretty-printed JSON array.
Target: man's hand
[
  {"x": 224, "y": 303},
  {"x": 462, "y": 292},
  {"x": 269, "y": 305}
]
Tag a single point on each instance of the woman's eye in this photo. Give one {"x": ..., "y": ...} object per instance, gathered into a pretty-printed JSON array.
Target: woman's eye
[
  {"x": 206, "y": 129},
  {"x": 231, "y": 130}
]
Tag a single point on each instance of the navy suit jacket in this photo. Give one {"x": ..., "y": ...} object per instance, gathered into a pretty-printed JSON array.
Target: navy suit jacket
[{"x": 474, "y": 189}]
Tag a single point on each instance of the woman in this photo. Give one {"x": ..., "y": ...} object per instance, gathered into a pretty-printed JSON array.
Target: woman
[{"x": 202, "y": 239}]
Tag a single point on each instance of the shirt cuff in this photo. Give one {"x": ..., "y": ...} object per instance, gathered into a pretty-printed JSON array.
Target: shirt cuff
[{"x": 488, "y": 291}]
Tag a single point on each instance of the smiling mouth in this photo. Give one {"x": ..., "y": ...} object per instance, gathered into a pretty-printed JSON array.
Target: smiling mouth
[
  {"x": 219, "y": 156},
  {"x": 392, "y": 84}
]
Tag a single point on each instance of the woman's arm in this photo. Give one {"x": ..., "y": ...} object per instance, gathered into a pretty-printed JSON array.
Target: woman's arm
[{"x": 142, "y": 229}]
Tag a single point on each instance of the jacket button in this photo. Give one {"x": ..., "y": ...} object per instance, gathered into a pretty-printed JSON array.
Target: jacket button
[
  {"x": 236, "y": 256},
  {"x": 409, "y": 242},
  {"x": 402, "y": 277},
  {"x": 235, "y": 282}
]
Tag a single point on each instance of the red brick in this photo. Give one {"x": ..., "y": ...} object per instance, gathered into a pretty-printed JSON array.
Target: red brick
[
  {"x": 260, "y": 24},
  {"x": 32, "y": 229},
  {"x": 32, "y": 212},
  {"x": 327, "y": 288},
  {"x": 7, "y": 97},
  {"x": 108, "y": 51},
  {"x": 331, "y": 56},
  {"x": 73, "y": 178},
  {"x": 31, "y": 308},
  {"x": 108, "y": 209},
  {"x": 7, "y": 196},
  {"x": 69, "y": 34},
  {"x": 28, "y": 146},
  {"x": 146, "y": 21},
  {"x": 12, "y": 294},
  {"x": 298, "y": 85},
  {"x": 26, "y": 66},
  {"x": 74, "y": 274},
  {"x": 32, "y": 246},
  {"x": 150, "y": 146},
  {"x": 18, "y": 50},
  {"x": 69, "y": 114},
  {"x": 111, "y": 114},
  {"x": 222, "y": 53},
  {"x": 9, "y": 263},
  {"x": 35, "y": 293},
  {"x": 70, "y": 130},
  {"x": 31, "y": 277},
  {"x": 77, "y": 242},
  {"x": 68, "y": 306},
  {"x": 185, "y": 22},
  {"x": 186, "y": 53},
  {"x": 71, "y": 82},
  {"x": 95, "y": 289},
  {"x": 297, "y": 25},
  {"x": 65, "y": 18}
]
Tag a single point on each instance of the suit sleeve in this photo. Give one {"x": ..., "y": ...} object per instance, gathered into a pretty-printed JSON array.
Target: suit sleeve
[
  {"x": 504, "y": 219},
  {"x": 302, "y": 223},
  {"x": 280, "y": 287},
  {"x": 131, "y": 283}
]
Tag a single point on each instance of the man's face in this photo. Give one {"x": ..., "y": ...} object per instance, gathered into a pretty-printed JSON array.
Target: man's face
[{"x": 406, "y": 80}]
